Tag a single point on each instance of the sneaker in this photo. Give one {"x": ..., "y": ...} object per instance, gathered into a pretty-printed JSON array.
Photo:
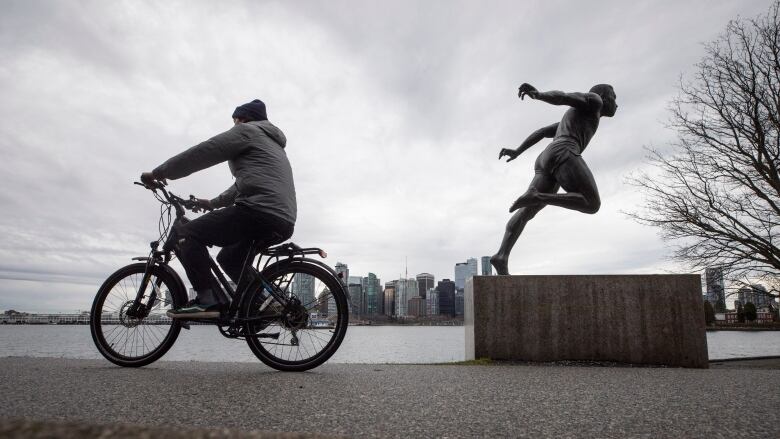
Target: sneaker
[{"x": 195, "y": 310}]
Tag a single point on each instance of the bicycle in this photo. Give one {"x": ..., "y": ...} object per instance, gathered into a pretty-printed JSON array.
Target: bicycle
[{"x": 293, "y": 313}]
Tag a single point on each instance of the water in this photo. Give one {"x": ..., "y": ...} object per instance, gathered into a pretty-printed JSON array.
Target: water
[{"x": 363, "y": 344}]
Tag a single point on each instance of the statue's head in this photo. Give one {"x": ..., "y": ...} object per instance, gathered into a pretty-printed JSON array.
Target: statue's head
[{"x": 608, "y": 97}]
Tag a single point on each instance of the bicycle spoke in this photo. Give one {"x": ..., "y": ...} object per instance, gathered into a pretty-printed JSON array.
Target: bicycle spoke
[{"x": 131, "y": 338}]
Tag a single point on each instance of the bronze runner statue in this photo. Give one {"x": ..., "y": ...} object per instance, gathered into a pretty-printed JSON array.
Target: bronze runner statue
[{"x": 560, "y": 165}]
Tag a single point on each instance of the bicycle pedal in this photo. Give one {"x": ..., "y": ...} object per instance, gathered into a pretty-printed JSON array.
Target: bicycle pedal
[{"x": 185, "y": 325}]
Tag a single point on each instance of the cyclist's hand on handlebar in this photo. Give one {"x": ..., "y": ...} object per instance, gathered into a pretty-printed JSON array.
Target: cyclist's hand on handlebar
[
  {"x": 148, "y": 179},
  {"x": 201, "y": 204}
]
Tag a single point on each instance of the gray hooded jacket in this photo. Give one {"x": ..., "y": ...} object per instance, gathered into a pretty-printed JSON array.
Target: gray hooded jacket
[{"x": 255, "y": 153}]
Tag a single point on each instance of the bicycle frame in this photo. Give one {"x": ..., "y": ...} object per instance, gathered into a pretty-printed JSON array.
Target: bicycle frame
[{"x": 279, "y": 254}]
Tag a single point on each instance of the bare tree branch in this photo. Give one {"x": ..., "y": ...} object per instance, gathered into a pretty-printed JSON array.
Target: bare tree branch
[{"x": 717, "y": 195}]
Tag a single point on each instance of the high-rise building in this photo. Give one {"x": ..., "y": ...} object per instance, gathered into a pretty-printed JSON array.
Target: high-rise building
[
  {"x": 473, "y": 269},
  {"x": 355, "y": 285},
  {"x": 463, "y": 271},
  {"x": 380, "y": 299},
  {"x": 343, "y": 271},
  {"x": 416, "y": 307},
  {"x": 371, "y": 293},
  {"x": 432, "y": 302},
  {"x": 405, "y": 290},
  {"x": 389, "y": 294},
  {"x": 424, "y": 283},
  {"x": 716, "y": 290},
  {"x": 487, "y": 269},
  {"x": 303, "y": 288},
  {"x": 446, "y": 292}
]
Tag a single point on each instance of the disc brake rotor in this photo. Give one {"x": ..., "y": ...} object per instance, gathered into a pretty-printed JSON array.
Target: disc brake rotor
[{"x": 124, "y": 319}]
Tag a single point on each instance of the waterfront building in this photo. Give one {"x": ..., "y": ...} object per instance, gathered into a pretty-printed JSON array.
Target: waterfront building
[
  {"x": 416, "y": 307},
  {"x": 756, "y": 294},
  {"x": 355, "y": 287},
  {"x": 371, "y": 293},
  {"x": 405, "y": 290},
  {"x": 303, "y": 288},
  {"x": 432, "y": 302},
  {"x": 12, "y": 317},
  {"x": 459, "y": 302},
  {"x": 424, "y": 283},
  {"x": 473, "y": 270},
  {"x": 487, "y": 269},
  {"x": 445, "y": 290},
  {"x": 380, "y": 299},
  {"x": 716, "y": 290},
  {"x": 463, "y": 271},
  {"x": 732, "y": 317},
  {"x": 389, "y": 296}
]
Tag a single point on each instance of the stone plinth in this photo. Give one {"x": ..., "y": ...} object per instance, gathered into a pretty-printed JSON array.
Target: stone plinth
[{"x": 642, "y": 319}]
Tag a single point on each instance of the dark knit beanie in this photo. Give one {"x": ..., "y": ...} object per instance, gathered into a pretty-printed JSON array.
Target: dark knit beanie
[{"x": 254, "y": 110}]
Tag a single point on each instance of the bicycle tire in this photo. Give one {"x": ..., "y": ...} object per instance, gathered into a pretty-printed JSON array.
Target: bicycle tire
[
  {"x": 316, "y": 344},
  {"x": 143, "y": 341}
]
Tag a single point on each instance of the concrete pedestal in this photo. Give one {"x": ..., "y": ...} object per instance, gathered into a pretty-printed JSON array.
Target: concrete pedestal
[{"x": 642, "y": 319}]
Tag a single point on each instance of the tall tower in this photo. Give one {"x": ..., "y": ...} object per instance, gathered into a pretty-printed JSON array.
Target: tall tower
[
  {"x": 487, "y": 269},
  {"x": 355, "y": 286},
  {"x": 446, "y": 292},
  {"x": 389, "y": 294},
  {"x": 716, "y": 290},
  {"x": 405, "y": 290},
  {"x": 432, "y": 302},
  {"x": 472, "y": 263},
  {"x": 461, "y": 274},
  {"x": 424, "y": 283},
  {"x": 371, "y": 293}
]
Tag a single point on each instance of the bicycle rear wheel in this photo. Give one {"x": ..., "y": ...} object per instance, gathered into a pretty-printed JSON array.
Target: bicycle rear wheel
[
  {"x": 307, "y": 333},
  {"x": 131, "y": 341}
]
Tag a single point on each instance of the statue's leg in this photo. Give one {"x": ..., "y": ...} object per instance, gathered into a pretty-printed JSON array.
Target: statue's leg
[
  {"x": 542, "y": 183},
  {"x": 575, "y": 178}
]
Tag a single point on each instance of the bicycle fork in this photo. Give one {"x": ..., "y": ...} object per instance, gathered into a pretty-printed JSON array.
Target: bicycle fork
[{"x": 138, "y": 309}]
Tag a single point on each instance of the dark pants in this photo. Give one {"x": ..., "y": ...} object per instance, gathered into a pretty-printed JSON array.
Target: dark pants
[{"x": 234, "y": 229}]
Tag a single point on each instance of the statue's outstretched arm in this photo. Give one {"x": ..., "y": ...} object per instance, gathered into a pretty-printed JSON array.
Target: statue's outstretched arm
[
  {"x": 585, "y": 101},
  {"x": 548, "y": 131}
]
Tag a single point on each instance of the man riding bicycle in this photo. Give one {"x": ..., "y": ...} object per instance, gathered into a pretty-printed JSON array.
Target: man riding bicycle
[{"x": 259, "y": 206}]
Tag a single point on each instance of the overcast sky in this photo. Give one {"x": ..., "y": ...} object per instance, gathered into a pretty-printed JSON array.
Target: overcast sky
[{"x": 394, "y": 112}]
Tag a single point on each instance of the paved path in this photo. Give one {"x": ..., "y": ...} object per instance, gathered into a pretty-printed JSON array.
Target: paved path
[{"x": 401, "y": 400}]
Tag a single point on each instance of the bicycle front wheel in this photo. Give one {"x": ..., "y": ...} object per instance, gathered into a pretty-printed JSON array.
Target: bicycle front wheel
[
  {"x": 128, "y": 339},
  {"x": 310, "y": 330}
]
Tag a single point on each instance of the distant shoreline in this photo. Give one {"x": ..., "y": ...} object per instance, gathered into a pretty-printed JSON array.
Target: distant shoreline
[{"x": 744, "y": 329}]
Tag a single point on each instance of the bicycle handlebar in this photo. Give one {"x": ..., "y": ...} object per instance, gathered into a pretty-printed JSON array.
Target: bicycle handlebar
[{"x": 177, "y": 202}]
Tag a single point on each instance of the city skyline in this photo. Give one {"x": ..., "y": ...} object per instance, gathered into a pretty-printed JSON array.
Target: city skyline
[{"x": 394, "y": 122}]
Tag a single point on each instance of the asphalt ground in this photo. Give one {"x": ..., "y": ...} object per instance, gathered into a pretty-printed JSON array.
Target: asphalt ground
[{"x": 93, "y": 398}]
